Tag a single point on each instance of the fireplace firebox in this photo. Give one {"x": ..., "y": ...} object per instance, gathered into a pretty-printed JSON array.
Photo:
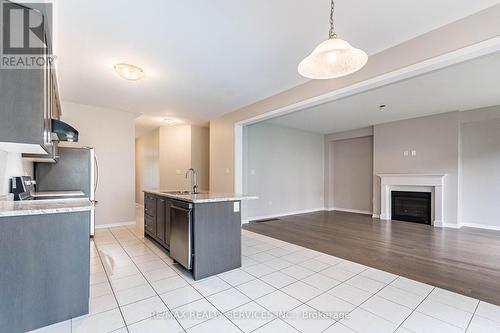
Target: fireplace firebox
[{"x": 411, "y": 206}]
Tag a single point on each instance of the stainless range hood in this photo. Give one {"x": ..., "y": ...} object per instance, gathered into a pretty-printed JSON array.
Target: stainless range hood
[{"x": 61, "y": 132}]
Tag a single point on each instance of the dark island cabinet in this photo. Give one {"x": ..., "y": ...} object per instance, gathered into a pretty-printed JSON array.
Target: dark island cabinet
[
  {"x": 157, "y": 218},
  {"x": 204, "y": 237},
  {"x": 150, "y": 215}
]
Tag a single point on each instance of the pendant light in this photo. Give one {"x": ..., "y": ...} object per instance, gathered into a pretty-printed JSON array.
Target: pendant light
[{"x": 333, "y": 58}]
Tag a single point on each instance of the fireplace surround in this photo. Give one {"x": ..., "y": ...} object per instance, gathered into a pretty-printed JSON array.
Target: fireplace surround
[{"x": 429, "y": 183}]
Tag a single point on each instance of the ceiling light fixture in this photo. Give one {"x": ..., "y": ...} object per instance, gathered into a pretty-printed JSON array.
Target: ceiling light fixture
[
  {"x": 333, "y": 58},
  {"x": 381, "y": 107},
  {"x": 168, "y": 121},
  {"x": 129, "y": 72}
]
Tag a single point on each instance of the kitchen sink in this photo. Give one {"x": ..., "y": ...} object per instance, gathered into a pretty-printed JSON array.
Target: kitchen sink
[{"x": 180, "y": 192}]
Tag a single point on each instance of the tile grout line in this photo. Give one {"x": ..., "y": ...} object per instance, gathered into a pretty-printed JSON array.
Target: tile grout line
[
  {"x": 140, "y": 271},
  {"x": 415, "y": 310},
  {"x": 473, "y": 315},
  {"x": 305, "y": 303},
  {"x": 151, "y": 247},
  {"x": 203, "y": 296},
  {"x": 323, "y": 292},
  {"x": 111, "y": 286},
  {"x": 376, "y": 293},
  {"x": 388, "y": 284}
]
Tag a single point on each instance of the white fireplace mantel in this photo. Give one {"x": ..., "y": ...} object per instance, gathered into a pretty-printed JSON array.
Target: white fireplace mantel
[{"x": 420, "y": 182}]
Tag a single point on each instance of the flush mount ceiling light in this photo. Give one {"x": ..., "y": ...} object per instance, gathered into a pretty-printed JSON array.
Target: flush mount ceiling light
[
  {"x": 169, "y": 121},
  {"x": 129, "y": 72},
  {"x": 333, "y": 58}
]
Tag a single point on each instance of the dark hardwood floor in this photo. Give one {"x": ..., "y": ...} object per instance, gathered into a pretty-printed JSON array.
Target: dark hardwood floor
[{"x": 466, "y": 261}]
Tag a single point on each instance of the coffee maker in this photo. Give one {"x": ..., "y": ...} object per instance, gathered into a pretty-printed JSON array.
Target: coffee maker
[{"x": 22, "y": 187}]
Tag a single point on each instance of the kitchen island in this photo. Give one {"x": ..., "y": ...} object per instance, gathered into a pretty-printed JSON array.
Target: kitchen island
[
  {"x": 202, "y": 231},
  {"x": 45, "y": 262}
]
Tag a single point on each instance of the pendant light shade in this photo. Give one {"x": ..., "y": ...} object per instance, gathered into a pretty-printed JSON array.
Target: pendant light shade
[{"x": 333, "y": 58}]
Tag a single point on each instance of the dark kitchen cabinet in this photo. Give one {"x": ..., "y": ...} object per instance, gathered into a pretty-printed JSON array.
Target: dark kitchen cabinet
[
  {"x": 150, "y": 215},
  {"x": 202, "y": 237},
  {"x": 30, "y": 99},
  {"x": 157, "y": 218},
  {"x": 160, "y": 218},
  {"x": 168, "y": 205}
]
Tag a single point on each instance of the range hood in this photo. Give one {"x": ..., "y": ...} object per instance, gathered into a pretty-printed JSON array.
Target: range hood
[
  {"x": 63, "y": 131},
  {"x": 60, "y": 132}
]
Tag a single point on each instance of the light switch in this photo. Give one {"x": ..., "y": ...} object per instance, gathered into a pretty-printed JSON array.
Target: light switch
[
  {"x": 236, "y": 206},
  {"x": 227, "y": 170},
  {"x": 270, "y": 202},
  {"x": 406, "y": 153},
  {"x": 252, "y": 172},
  {"x": 413, "y": 153},
  {"x": 177, "y": 172}
]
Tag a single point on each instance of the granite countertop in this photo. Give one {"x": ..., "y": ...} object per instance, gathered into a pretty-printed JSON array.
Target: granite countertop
[
  {"x": 39, "y": 207},
  {"x": 203, "y": 197},
  {"x": 58, "y": 194}
]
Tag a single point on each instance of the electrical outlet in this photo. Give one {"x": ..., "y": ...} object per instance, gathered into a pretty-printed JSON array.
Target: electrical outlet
[
  {"x": 406, "y": 153},
  {"x": 413, "y": 153}
]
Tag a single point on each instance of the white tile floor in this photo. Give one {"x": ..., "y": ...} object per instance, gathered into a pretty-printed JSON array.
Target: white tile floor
[{"x": 136, "y": 287}]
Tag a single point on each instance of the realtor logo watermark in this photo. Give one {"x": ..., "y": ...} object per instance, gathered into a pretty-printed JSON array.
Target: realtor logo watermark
[{"x": 25, "y": 35}]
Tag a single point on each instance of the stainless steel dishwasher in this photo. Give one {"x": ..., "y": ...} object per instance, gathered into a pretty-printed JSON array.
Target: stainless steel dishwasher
[{"x": 181, "y": 226}]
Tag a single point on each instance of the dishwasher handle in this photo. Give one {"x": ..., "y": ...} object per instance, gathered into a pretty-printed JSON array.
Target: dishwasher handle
[{"x": 174, "y": 206}]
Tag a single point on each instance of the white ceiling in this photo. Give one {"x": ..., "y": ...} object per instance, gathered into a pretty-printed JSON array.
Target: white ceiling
[
  {"x": 469, "y": 85},
  {"x": 206, "y": 58}
]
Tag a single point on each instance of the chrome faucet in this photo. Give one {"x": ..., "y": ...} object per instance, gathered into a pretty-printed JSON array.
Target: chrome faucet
[{"x": 194, "y": 180}]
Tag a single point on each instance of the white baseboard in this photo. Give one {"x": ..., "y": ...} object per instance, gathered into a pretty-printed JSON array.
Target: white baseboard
[
  {"x": 376, "y": 216},
  {"x": 111, "y": 225},
  {"x": 347, "y": 210},
  {"x": 451, "y": 226},
  {"x": 480, "y": 226},
  {"x": 272, "y": 216}
]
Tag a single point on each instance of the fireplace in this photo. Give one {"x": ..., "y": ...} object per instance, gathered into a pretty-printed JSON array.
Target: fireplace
[{"x": 411, "y": 206}]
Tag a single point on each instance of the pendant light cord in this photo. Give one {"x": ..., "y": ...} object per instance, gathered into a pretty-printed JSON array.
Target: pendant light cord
[{"x": 332, "y": 33}]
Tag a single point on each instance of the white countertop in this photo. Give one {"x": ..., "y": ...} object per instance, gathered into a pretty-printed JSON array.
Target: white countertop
[
  {"x": 39, "y": 207},
  {"x": 203, "y": 197}
]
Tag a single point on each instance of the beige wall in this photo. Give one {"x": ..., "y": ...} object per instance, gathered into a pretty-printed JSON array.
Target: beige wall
[
  {"x": 163, "y": 156},
  {"x": 468, "y": 31},
  {"x": 480, "y": 162},
  {"x": 175, "y": 157},
  {"x": 222, "y": 155},
  {"x": 463, "y": 145},
  {"x": 284, "y": 167},
  {"x": 12, "y": 165},
  {"x": 200, "y": 142},
  {"x": 147, "y": 164},
  {"x": 112, "y": 134},
  {"x": 329, "y": 155},
  {"x": 436, "y": 141},
  {"x": 353, "y": 174}
]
